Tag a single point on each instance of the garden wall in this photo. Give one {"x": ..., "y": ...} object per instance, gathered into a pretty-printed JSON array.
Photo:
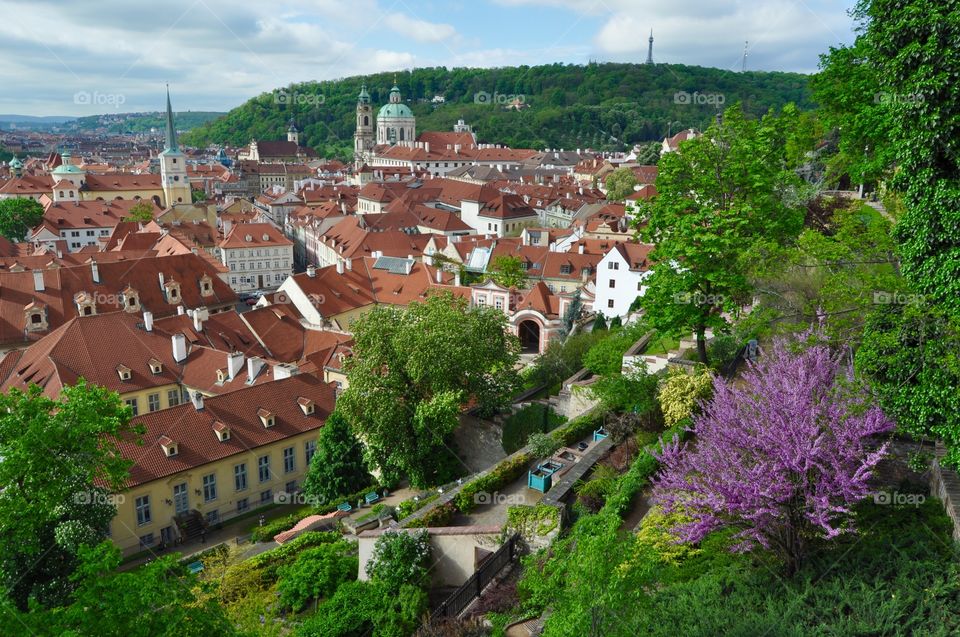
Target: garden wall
[{"x": 945, "y": 484}]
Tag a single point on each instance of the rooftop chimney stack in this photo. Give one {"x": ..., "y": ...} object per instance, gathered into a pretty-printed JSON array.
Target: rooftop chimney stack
[
  {"x": 254, "y": 365},
  {"x": 349, "y": 263},
  {"x": 197, "y": 321},
  {"x": 180, "y": 310},
  {"x": 148, "y": 321},
  {"x": 311, "y": 271},
  {"x": 197, "y": 399},
  {"x": 179, "y": 342},
  {"x": 339, "y": 266},
  {"x": 234, "y": 364},
  {"x": 160, "y": 276}
]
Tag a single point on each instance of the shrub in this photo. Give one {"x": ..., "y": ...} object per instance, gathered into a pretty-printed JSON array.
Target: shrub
[
  {"x": 531, "y": 521},
  {"x": 407, "y": 507},
  {"x": 681, "y": 394},
  {"x": 499, "y": 477},
  {"x": 316, "y": 573},
  {"x": 349, "y": 613},
  {"x": 440, "y": 515},
  {"x": 579, "y": 428},
  {"x": 542, "y": 445},
  {"x": 400, "y": 558}
]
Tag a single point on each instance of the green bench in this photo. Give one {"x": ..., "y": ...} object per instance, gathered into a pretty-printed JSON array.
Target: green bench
[
  {"x": 345, "y": 507},
  {"x": 372, "y": 497},
  {"x": 195, "y": 567}
]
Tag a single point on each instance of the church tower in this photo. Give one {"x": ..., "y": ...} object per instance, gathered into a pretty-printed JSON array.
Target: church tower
[
  {"x": 363, "y": 137},
  {"x": 173, "y": 165},
  {"x": 293, "y": 135}
]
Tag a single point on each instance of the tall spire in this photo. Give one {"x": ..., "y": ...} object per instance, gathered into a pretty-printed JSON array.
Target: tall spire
[
  {"x": 650, "y": 49},
  {"x": 171, "y": 144}
]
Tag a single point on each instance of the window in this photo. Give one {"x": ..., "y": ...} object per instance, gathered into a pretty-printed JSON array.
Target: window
[
  {"x": 242, "y": 505},
  {"x": 498, "y": 303},
  {"x": 75, "y": 233},
  {"x": 146, "y": 540},
  {"x": 142, "y": 505},
  {"x": 240, "y": 476},
  {"x": 210, "y": 487},
  {"x": 173, "y": 397},
  {"x": 153, "y": 402},
  {"x": 132, "y": 402},
  {"x": 263, "y": 468},
  {"x": 613, "y": 265},
  {"x": 613, "y": 283},
  {"x": 213, "y": 517},
  {"x": 639, "y": 286},
  {"x": 89, "y": 233},
  {"x": 310, "y": 448},
  {"x": 266, "y": 496},
  {"x": 610, "y": 303},
  {"x": 565, "y": 268},
  {"x": 481, "y": 301},
  {"x": 291, "y": 487},
  {"x": 289, "y": 460}
]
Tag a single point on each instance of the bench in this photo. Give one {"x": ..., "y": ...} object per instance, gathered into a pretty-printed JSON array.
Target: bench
[
  {"x": 345, "y": 507},
  {"x": 372, "y": 497},
  {"x": 195, "y": 567}
]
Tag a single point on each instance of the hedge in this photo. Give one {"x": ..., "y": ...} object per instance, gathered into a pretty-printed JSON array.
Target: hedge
[
  {"x": 578, "y": 428},
  {"x": 408, "y": 507},
  {"x": 498, "y": 478},
  {"x": 440, "y": 515},
  {"x": 267, "y": 531}
]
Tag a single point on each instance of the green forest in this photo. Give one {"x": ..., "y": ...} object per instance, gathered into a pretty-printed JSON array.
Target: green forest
[
  {"x": 601, "y": 106},
  {"x": 140, "y": 122}
]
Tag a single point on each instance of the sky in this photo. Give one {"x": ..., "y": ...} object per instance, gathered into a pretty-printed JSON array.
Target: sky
[{"x": 67, "y": 57}]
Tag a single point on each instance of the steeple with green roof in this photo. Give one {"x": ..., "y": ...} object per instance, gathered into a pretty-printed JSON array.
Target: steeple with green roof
[{"x": 171, "y": 143}]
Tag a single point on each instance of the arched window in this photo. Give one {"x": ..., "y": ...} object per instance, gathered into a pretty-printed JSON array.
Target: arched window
[
  {"x": 401, "y": 134},
  {"x": 366, "y": 120}
]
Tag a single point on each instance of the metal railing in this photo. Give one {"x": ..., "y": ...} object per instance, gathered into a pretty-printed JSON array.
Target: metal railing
[{"x": 471, "y": 589}]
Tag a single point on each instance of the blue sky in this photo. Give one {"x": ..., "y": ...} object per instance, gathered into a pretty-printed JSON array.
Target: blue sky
[{"x": 63, "y": 57}]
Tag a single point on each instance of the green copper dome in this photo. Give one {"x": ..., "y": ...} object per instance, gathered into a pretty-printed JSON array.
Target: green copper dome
[
  {"x": 66, "y": 168},
  {"x": 16, "y": 163},
  {"x": 395, "y": 110}
]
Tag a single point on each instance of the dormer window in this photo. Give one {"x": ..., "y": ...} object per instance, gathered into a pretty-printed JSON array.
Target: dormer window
[
  {"x": 222, "y": 431},
  {"x": 306, "y": 405},
  {"x": 170, "y": 448},
  {"x": 266, "y": 417},
  {"x": 206, "y": 285},
  {"x": 35, "y": 317},
  {"x": 85, "y": 304},
  {"x": 131, "y": 300},
  {"x": 221, "y": 375},
  {"x": 124, "y": 372},
  {"x": 565, "y": 268},
  {"x": 156, "y": 367},
  {"x": 172, "y": 290}
]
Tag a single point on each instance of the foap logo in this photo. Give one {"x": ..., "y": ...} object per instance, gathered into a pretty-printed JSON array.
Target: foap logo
[
  {"x": 897, "y": 98},
  {"x": 98, "y": 498},
  {"x": 485, "y": 497},
  {"x": 896, "y": 498},
  {"x": 499, "y": 99},
  {"x": 296, "y": 98},
  {"x": 698, "y": 298},
  {"x": 299, "y": 498},
  {"x": 699, "y": 99},
  {"x": 96, "y": 98},
  {"x": 895, "y": 298}
]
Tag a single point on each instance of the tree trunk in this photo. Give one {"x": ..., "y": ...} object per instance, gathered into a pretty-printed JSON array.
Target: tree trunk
[{"x": 702, "y": 344}]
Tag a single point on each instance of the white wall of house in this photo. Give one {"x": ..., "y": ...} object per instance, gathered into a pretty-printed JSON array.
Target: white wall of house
[
  {"x": 617, "y": 285},
  {"x": 258, "y": 268}
]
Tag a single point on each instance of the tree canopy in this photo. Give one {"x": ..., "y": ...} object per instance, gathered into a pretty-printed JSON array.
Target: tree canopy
[
  {"x": 18, "y": 216},
  {"x": 337, "y": 469}
]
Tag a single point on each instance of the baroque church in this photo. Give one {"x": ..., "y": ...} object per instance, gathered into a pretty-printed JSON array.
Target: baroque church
[{"x": 395, "y": 123}]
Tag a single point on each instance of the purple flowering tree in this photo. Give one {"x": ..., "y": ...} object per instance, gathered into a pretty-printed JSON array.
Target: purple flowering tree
[{"x": 779, "y": 456}]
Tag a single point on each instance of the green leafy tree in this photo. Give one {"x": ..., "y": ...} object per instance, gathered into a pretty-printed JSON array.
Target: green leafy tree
[
  {"x": 60, "y": 463},
  {"x": 411, "y": 373},
  {"x": 18, "y": 216},
  {"x": 141, "y": 212},
  {"x": 317, "y": 573},
  {"x": 507, "y": 270},
  {"x": 719, "y": 196},
  {"x": 197, "y": 196},
  {"x": 649, "y": 154},
  {"x": 400, "y": 558},
  {"x": 155, "y": 600},
  {"x": 337, "y": 468},
  {"x": 620, "y": 184}
]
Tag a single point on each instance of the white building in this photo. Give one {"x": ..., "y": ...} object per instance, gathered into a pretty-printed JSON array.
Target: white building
[
  {"x": 620, "y": 276},
  {"x": 258, "y": 256}
]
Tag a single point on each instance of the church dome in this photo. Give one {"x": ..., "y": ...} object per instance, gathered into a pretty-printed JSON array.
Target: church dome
[
  {"x": 65, "y": 167},
  {"x": 395, "y": 110},
  {"x": 16, "y": 163}
]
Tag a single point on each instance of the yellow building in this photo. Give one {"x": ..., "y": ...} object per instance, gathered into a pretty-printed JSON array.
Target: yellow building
[{"x": 212, "y": 459}]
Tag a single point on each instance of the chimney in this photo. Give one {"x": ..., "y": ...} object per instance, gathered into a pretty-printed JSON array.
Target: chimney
[
  {"x": 160, "y": 276},
  {"x": 234, "y": 364},
  {"x": 408, "y": 265},
  {"x": 197, "y": 321},
  {"x": 439, "y": 275},
  {"x": 95, "y": 271},
  {"x": 179, "y": 347},
  {"x": 180, "y": 310},
  {"x": 148, "y": 321},
  {"x": 349, "y": 263},
  {"x": 197, "y": 399},
  {"x": 339, "y": 266},
  {"x": 254, "y": 365},
  {"x": 38, "y": 285},
  {"x": 284, "y": 370},
  {"x": 456, "y": 277},
  {"x": 311, "y": 271},
  {"x": 580, "y": 249}
]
